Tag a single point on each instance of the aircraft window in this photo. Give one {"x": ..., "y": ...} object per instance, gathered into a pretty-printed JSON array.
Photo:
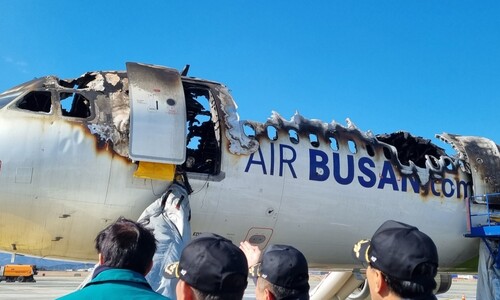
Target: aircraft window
[
  {"x": 248, "y": 130},
  {"x": 203, "y": 150},
  {"x": 314, "y": 140},
  {"x": 74, "y": 105},
  {"x": 294, "y": 137},
  {"x": 333, "y": 144},
  {"x": 387, "y": 153},
  {"x": 352, "y": 146},
  {"x": 38, "y": 101},
  {"x": 272, "y": 133},
  {"x": 7, "y": 99},
  {"x": 370, "y": 150}
]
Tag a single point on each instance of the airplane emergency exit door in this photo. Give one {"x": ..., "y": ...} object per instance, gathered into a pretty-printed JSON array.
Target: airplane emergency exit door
[{"x": 157, "y": 114}]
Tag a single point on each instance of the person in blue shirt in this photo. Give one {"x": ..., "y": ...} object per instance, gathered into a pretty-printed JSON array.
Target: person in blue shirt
[{"x": 125, "y": 250}]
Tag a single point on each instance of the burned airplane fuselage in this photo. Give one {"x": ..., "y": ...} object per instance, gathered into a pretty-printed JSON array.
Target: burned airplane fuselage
[
  {"x": 66, "y": 171},
  {"x": 64, "y": 142}
]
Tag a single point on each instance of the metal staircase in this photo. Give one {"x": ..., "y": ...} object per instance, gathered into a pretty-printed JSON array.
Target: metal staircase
[{"x": 484, "y": 223}]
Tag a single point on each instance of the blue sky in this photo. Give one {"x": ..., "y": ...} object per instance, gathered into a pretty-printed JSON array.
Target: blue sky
[{"x": 421, "y": 66}]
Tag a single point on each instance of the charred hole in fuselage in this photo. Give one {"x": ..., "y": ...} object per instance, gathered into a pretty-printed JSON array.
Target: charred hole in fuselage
[
  {"x": 37, "y": 101},
  {"x": 387, "y": 153},
  {"x": 448, "y": 163},
  {"x": 74, "y": 105},
  {"x": 411, "y": 148},
  {"x": 84, "y": 82},
  {"x": 79, "y": 83},
  {"x": 369, "y": 150},
  {"x": 203, "y": 149}
]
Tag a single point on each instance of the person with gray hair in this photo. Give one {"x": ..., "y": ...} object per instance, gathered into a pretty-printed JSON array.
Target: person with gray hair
[{"x": 401, "y": 262}]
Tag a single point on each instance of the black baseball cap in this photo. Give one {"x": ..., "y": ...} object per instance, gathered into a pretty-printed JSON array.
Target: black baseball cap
[
  {"x": 397, "y": 249},
  {"x": 212, "y": 264},
  {"x": 284, "y": 266}
]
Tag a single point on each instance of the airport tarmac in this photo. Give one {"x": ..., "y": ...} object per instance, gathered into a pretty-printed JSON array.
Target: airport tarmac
[{"x": 57, "y": 284}]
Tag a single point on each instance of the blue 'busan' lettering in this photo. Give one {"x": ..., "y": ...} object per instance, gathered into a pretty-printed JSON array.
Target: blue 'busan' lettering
[{"x": 327, "y": 167}]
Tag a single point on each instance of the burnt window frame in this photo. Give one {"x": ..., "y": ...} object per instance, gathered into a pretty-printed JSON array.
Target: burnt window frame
[
  {"x": 215, "y": 114},
  {"x": 17, "y": 101},
  {"x": 75, "y": 91}
]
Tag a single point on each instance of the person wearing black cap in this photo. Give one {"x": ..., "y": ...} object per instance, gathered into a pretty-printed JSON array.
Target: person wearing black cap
[
  {"x": 282, "y": 274},
  {"x": 210, "y": 267},
  {"x": 401, "y": 262}
]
